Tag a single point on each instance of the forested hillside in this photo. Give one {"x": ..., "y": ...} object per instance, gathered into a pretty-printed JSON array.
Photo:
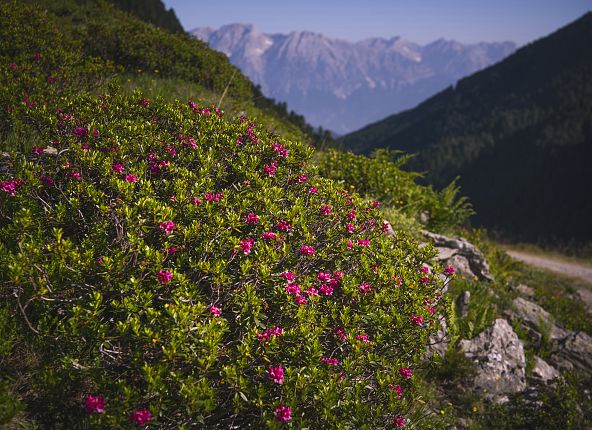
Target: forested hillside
[{"x": 519, "y": 135}]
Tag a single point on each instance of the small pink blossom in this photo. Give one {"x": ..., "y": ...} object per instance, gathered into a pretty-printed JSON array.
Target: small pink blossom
[
  {"x": 300, "y": 300},
  {"x": 140, "y": 416},
  {"x": 117, "y": 167},
  {"x": 214, "y": 197},
  {"x": 171, "y": 150},
  {"x": 363, "y": 337},
  {"x": 280, "y": 150},
  {"x": 246, "y": 245},
  {"x": 338, "y": 276},
  {"x": 324, "y": 276},
  {"x": 313, "y": 190},
  {"x": 416, "y": 319},
  {"x": 351, "y": 214},
  {"x": 288, "y": 276},
  {"x": 270, "y": 169},
  {"x": 350, "y": 227},
  {"x": 365, "y": 288},
  {"x": 37, "y": 56},
  {"x": 80, "y": 132},
  {"x": 307, "y": 250},
  {"x": 276, "y": 374},
  {"x": 302, "y": 178},
  {"x": 171, "y": 250},
  {"x": 350, "y": 244},
  {"x": 167, "y": 226},
  {"x": 364, "y": 242},
  {"x": 252, "y": 218},
  {"x": 37, "y": 150},
  {"x": 283, "y": 413},
  {"x": 131, "y": 178},
  {"x": 75, "y": 175},
  {"x": 46, "y": 180},
  {"x": 398, "y": 389},
  {"x": 424, "y": 269},
  {"x": 268, "y": 235},
  {"x": 215, "y": 310},
  {"x": 449, "y": 271},
  {"x": 196, "y": 201},
  {"x": 406, "y": 373},
  {"x": 399, "y": 421},
  {"x": 424, "y": 280},
  {"x": 312, "y": 291},
  {"x": 340, "y": 332},
  {"x": 293, "y": 289},
  {"x": 283, "y": 225},
  {"x": 94, "y": 405},
  {"x": 164, "y": 276},
  {"x": 375, "y": 204},
  {"x": 330, "y": 361},
  {"x": 144, "y": 102},
  {"x": 325, "y": 210},
  {"x": 268, "y": 333},
  {"x": 326, "y": 290}
]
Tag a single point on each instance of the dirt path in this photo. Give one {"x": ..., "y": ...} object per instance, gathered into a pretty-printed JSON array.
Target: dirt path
[{"x": 575, "y": 270}]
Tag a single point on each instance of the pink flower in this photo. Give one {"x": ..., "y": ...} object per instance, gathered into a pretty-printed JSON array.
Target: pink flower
[
  {"x": 326, "y": 290},
  {"x": 211, "y": 197},
  {"x": 330, "y": 361},
  {"x": 293, "y": 289},
  {"x": 307, "y": 250},
  {"x": 46, "y": 180},
  {"x": 325, "y": 210},
  {"x": 386, "y": 227},
  {"x": 363, "y": 242},
  {"x": 300, "y": 300},
  {"x": 399, "y": 421},
  {"x": 37, "y": 150},
  {"x": 85, "y": 147},
  {"x": 94, "y": 405},
  {"x": 140, "y": 416},
  {"x": 215, "y": 310},
  {"x": 246, "y": 245},
  {"x": 416, "y": 319},
  {"x": 340, "y": 332},
  {"x": 75, "y": 175},
  {"x": 324, "y": 276},
  {"x": 268, "y": 333},
  {"x": 350, "y": 244},
  {"x": 171, "y": 149},
  {"x": 283, "y": 225},
  {"x": 313, "y": 190},
  {"x": 398, "y": 389},
  {"x": 276, "y": 374},
  {"x": 375, "y": 204},
  {"x": 80, "y": 131},
  {"x": 281, "y": 150},
  {"x": 283, "y": 413},
  {"x": 424, "y": 280},
  {"x": 302, "y": 179},
  {"x": 351, "y": 214},
  {"x": 363, "y": 337},
  {"x": 131, "y": 179},
  {"x": 312, "y": 291},
  {"x": 167, "y": 226},
  {"x": 449, "y": 271},
  {"x": 270, "y": 169},
  {"x": 171, "y": 250},
  {"x": 252, "y": 218},
  {"x": 425, "y": 269},
  {"x": 164, "y": 276},
  {"x": 13, "y": 67},
  {"x": 117, "y": 167},
  {"x": 365, "y": 288},
  {"x": 269, "y": 235},
  {"x": 350, "y": 227},
  {"x": 144, "y": 102},
  {"x": 196, "y": 202},
  {"x": 288, "y": 276},
  {"x": 338, "y": 276},
  {"x": 406, "y": 373},
  {"x": 398, "y": 280}
]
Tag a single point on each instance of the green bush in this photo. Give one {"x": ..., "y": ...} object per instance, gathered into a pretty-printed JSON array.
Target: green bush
[{"x": 147, "y": 261}]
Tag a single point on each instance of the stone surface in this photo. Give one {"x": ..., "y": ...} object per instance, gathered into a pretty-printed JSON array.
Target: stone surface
[
  {"x": 573, "y": 352},
  {"x": 525, "y": 290},
  {"x": 534, "y": 316},
  {"x": 462, "y": 303},
  {"x": 462, "y": 255},
  {"x": 499, "y": 358},
  {"x": 543, "y": 371},
  {"x": 438, "y": 342}
]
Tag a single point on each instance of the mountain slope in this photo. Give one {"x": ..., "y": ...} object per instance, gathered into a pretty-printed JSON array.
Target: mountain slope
[
  {"x": 341, "y": 85},
  {"x": 518, "y": 133}
]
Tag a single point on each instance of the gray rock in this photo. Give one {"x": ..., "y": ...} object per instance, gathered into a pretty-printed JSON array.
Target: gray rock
[
  {"x": 534, "y": 316},
  {"x": 461, "y": 254},
  {"x": 585, "y": 295},
  {"x": 543, "y": 371},
  {"x": 499, "y": 358},
  {"x": 462, "y": 303},
  {"x": 525, "y": 290},
  {"x": 573, "y": 352},
  {"x": 438, "y": 342}
]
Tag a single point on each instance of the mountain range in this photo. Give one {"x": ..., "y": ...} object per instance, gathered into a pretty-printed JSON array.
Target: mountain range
[
  {"x": 340, "y": 85},
  {"x": 519, "y": 135}
]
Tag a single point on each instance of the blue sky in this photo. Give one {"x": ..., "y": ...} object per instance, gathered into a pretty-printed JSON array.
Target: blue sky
[{"x": 420, "y": 21}]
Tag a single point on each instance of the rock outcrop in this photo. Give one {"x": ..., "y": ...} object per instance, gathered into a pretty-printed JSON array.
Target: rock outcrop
[
  {"x": 499, "y": 358},
  {"x": 461, "y": 254}
]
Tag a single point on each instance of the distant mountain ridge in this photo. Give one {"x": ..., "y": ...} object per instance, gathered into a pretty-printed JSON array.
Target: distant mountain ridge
[
  {"x": 341, "y": 85},
  {"x": 519, "y": 135}
]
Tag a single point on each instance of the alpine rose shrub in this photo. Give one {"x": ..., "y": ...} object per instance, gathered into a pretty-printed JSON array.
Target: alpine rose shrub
[{"x": 120, "y": 276}]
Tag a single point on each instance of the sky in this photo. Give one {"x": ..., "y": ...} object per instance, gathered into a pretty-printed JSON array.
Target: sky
[{"x": 420, "y": 21}]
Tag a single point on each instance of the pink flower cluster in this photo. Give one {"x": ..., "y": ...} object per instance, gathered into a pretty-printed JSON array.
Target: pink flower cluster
[
  {"x": 10, "y": 186},
  {"x": 307, "y": 250},
  {"x": 252, "y": 218},
  {"x": 406, "y": 372},
  {"x": 214, "y": 197},
  {"x": 164, "y": 276},
  {"x": 268, "y": 235},
  {"x": 340, "y": 332},
  {"x": 325, "y": 210},
  {"x": 268, "y": 333},
  {"x": 215, "y": 310},
  {"x": 449, "y": 271},
  {"x": 399, "y": 421},
  {"x": 398, "y": 389},
  {"x": 276, "y": 374},
  {"x": 288, "y": 276},
  {"x": 46, "y": 180},
  {"x": 140, "y": 416},
  {"x": 246, "y": 245},
  {"x": 330, "y": 361},
  {"x": 283, "y": 413},
  {"x": 283, "y": 225},
  {"x": 94, "y": 405},
  {"x": 365, "y": 288},
  {"x": 270, "y": 168},
  {"x": 363, "y": 337},
  {"x": 281, "y": 150},
  {"x": 416, "y": 319},
  {"x": 167, "y": 226}
]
